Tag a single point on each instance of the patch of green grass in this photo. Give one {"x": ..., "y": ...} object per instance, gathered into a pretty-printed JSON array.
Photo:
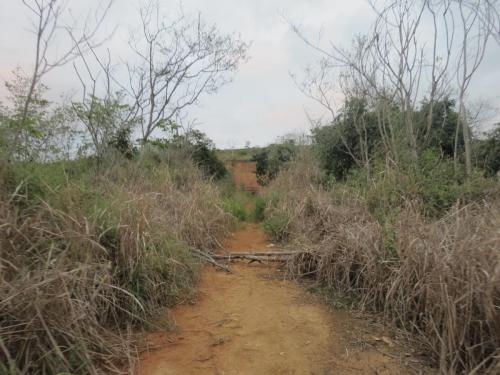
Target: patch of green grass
[
  {"x": 235, "y": 208},
  {"x": 276, "y": 226},
  {"x": 259, "y": 208}
]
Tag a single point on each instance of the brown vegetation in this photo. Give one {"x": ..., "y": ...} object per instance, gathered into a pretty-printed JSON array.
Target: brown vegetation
[
  {"x": 438, "y": 279},
  {"x": 76, "y": 275}
]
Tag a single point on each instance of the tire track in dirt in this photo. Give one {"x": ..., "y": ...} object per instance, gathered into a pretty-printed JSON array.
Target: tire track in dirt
[{"x": 254, "y": 322}]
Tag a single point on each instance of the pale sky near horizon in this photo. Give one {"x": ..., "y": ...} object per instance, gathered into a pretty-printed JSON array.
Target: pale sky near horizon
[{"x": 262, "y": 103}]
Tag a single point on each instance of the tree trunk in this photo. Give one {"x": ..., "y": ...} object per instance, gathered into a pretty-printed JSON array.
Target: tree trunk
[{"x": 467, "y": 146}]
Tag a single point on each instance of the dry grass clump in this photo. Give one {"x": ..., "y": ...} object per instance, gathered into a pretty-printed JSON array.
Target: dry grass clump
[
  {"x": 181, "y": 203},
  {"x": 79, "y": 271},
  {"x": 58, "y": 296},
  {"x": 439, "y": 279}
]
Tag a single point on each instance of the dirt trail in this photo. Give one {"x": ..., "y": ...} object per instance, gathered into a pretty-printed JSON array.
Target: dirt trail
[{"x": 254, "y": 322}]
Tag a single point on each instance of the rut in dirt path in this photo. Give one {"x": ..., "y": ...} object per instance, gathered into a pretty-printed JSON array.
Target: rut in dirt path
[{"x": 254, "y": 322}]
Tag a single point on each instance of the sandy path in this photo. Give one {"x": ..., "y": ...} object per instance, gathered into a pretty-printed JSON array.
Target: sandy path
[{"x": 252, "y": 322}]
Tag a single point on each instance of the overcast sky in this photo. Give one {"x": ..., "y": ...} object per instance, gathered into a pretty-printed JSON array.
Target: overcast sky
[{"x": 262, "y": 102}]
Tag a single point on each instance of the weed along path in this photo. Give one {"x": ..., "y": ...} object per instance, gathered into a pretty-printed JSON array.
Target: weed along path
[{"x": 252, "y": 321}]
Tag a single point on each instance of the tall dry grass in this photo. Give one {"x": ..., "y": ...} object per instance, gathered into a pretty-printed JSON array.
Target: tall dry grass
[
  {"x": 79, "y": 272},
  {"x": 437, "y": 279}
]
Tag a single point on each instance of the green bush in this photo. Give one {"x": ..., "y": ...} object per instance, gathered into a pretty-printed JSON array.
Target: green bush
[
  {"x": 276, "y": 226},
  {"x": 432, "y": 184},
  {"x": 235, "y": 208},
  {"x": 488, "y": 152},
  {"x": 272, "y": 159},
  {"x": 199, "y": 148},
  {"x": 259, "y": 207}
]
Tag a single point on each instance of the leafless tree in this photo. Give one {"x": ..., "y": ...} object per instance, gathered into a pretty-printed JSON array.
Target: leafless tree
[
  {"x": 178, "y": 61},
  {"x": 400, "y": 55},
  {"x": 396, "y": 65},
  {"x": 389, "y": 63},
  {"x": 443, "y": 34},
  {"x": 357, "y": 95},
  {"x": 347, "y": 76},
  {"x": 318, "y": 84},
  {"x": 47, "y": 27},
  {"x": 478, "y": 21},
  {"x": 102, "y": 110}
]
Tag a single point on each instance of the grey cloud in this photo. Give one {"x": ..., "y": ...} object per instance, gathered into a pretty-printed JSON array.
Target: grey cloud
[{"x": 262, "y": 102}]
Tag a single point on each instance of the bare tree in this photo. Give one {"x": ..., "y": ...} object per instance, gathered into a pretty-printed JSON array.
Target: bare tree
[
  {"x": 178, "y": 61},
  {"x": 443, "y": 30},
  {"x": 401, "y": 57},
  {"x": 102, "y": 110},
  {"x": 396, "y": 65},
  {"x": 478, "y": 21},
  {"x": 47, "y": 26},
  {"x": 318, "y": 84}
]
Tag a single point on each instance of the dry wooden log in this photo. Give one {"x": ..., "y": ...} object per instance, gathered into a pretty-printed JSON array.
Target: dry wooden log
[
  {"x": 209, "y": 258},
  {"x": 258, "y": 254},
  {"x": 260, "y": 257}
]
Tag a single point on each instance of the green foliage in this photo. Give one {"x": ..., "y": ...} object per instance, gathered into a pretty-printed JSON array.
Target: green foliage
[
  {"x": 355, "y": 138},
  {"x": 43, "y": 181},
  {"x": 276, "y": 226},
  {"x": 440, "y": 135},
  {"x": 259, "y": 208},
  {"x": 237, "y": 202},
  {"x": 432, "y": 184},
  {"x": 121, "y": 142},
  {"x": 203, "y": 153},
  {"x": 108, "y": 123},
  {"x": 238, "y": 153},
  {"x": 488, "y": 152},
  {"x": 31, "y": 127},
  {"x": 242, "y": 205},
  {"x": 432, "y": 179},
  {"x": 200, "y": 149},
  {"x": 272, "y": 159},
  {"x": 341, "y": 145},
  {"x": 235, "y": 208}
]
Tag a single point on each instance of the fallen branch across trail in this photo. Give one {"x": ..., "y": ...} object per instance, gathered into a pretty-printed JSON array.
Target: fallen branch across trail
[
  {"x": 275, "y": 256},
  {"x": 209, "y": 258},
  {"x": 258, "y": 254},
  {"x": 252, "y": 256}
]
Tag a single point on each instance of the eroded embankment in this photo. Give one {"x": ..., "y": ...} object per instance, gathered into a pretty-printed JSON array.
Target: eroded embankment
[{"x": 254, "y": 322}]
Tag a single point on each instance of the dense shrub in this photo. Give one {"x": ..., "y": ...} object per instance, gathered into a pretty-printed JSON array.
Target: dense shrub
[
  {"x": 83, "y": 261},
  {"x": 235, "y": 208},
  {"x": 433, "y": 184},
  {"x": 121, "y": 142},
  {"x": 270, "y": 160},
  {"x": 258, "y": 209},
  {"x": 275, "y": 227},
  {"x": 437, "y": 278},
  {"x": 339, "y": 145},
  {"x": 355, "y": 138},
  {"x": 488, "y": 152},
  {"x": 199, "y": 148}
]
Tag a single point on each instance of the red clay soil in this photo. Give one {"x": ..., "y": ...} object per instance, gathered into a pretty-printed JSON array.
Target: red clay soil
[
  {"x": 254, "y": 322},
  {"x": 244, "y": 174}
]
